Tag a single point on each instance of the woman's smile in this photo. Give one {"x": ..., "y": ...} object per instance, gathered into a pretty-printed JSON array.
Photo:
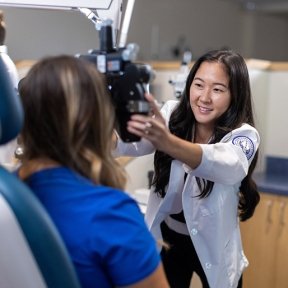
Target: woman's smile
[
  {"x": 209, "y": 93},
  {"x": 205, "y": 110}
]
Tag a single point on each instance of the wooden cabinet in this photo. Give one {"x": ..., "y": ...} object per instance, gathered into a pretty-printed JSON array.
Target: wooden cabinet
[{"x": 265, "y": 241}]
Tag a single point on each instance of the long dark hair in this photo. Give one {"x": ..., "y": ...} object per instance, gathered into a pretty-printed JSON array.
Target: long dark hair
[
  {"x": 182, "y": 121},
  {"x": 69, "y": 118}
]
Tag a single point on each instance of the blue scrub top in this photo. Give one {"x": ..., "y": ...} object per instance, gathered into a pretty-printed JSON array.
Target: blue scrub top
[{"x": 103, "y": 228}]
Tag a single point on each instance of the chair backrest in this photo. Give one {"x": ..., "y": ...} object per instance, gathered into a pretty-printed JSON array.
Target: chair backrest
[{"x": 32, "y": 253}]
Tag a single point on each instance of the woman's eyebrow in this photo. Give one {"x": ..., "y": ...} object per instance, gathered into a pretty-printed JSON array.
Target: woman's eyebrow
[
  {"x": 216, "y": 83},
  {"x": 221, "y": 84}
]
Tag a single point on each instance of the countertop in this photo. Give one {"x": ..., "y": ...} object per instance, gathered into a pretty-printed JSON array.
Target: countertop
[
  {"x": 274, "y": 179},
  {"x": 271, "y": 183}
]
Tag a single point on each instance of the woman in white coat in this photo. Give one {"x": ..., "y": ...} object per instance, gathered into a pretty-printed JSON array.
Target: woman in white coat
[{"x": 205, "y": 152}]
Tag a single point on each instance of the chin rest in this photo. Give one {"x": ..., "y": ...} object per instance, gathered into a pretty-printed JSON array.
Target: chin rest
[{"x": 32, "y": 253}]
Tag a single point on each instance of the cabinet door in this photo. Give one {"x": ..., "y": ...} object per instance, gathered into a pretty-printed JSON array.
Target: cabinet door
[
  {"x": 281, "y": 255},
  {"x": 259, "y": 235}
]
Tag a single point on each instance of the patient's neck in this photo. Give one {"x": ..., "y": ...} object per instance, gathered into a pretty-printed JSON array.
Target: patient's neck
[{"x": 29, "y": 167}]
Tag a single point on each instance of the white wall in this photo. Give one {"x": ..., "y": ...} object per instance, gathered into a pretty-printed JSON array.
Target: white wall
[
  {"x": 260, "y": 82},
  {"x": 277, "y": 115},
  {"x": 205, "y": 24},
  {"x": 269, "y": 89},
  {"x": 32, "y": 34}
]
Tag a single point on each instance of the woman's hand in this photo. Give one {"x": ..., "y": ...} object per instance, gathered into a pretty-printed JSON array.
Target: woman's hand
[{"x": 151, "y": 127}]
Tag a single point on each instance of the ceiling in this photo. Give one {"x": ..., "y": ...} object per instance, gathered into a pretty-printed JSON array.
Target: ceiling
[{"x": 269, "y": 6}]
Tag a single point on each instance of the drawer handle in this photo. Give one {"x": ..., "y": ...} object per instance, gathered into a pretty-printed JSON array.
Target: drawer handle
[
  {"x": 269, "y": 211},
  {"x": 282, "y": 213}
]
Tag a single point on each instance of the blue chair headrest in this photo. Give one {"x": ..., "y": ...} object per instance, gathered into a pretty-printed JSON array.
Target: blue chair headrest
[{"x": 11, "y": 111}]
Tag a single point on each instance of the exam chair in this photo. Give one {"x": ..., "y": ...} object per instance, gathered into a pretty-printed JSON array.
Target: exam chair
[{"x": 32, "y": 253}]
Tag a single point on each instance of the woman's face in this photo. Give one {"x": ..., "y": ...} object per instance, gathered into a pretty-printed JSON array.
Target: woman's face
[{"x": 209, "y": 93}]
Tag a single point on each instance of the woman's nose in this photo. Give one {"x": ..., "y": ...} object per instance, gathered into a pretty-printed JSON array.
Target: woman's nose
[{"x": 205, "y": 96}]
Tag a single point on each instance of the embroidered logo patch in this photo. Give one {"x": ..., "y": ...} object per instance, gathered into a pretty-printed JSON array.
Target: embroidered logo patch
[{"x": 245, "y": 144}]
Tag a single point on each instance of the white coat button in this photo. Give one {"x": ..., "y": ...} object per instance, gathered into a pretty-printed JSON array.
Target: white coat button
[
  {"x": 208, "y": 265},
  {"x": 194, "y": 231}
]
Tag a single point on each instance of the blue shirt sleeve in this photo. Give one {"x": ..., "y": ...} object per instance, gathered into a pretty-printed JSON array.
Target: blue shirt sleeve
[{"x": 127, "y": 247}]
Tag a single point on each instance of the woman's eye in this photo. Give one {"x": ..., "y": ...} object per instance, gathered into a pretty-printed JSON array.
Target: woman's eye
[
  {"x": 218, "y": 90},
  {"x": 198, "y": 85}
]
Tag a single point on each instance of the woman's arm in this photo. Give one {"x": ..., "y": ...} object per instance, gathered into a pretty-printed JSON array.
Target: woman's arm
[
  {"x": 230, "y": 157},
  {"x": 156, "y": 131}
]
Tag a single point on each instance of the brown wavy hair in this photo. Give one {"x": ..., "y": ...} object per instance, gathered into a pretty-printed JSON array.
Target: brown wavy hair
[{"x": 69, "y": 118}]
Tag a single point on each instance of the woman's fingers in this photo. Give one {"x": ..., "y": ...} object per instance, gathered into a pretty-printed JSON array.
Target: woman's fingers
[
  {"x": 153, "y": 105},
  {"x": 147, "y": 126},
  {"x": 138, "y": 124}
]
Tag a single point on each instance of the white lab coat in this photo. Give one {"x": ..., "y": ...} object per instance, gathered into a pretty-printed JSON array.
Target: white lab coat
[{"x": 212, "y": 222}]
